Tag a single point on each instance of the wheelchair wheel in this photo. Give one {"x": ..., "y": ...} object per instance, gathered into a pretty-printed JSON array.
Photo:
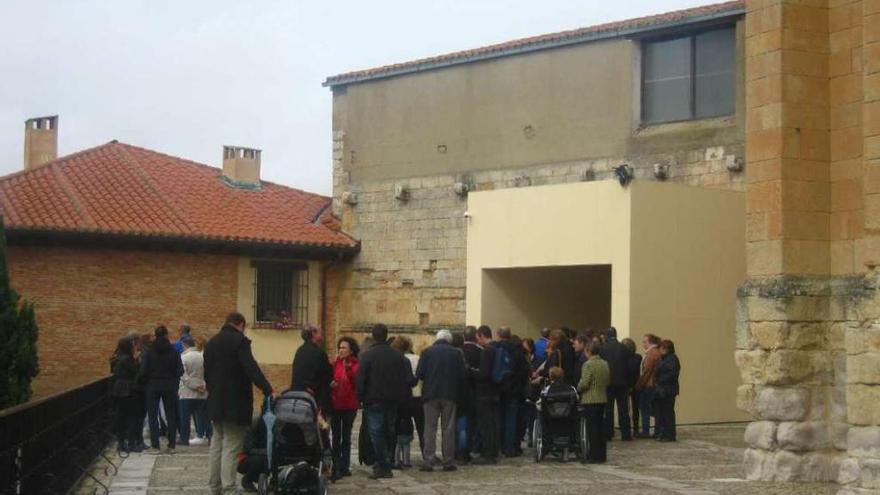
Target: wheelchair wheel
[
  {"x": 263, "y": 484},
  {"x": 539, "y": 441},
  {"x": 584, "y": 440}
]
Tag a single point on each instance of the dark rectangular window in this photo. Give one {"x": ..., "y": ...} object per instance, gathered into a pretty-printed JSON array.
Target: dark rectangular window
[
  {"x": 281, "y": 294},
  {"x": 689, "y": 77}
]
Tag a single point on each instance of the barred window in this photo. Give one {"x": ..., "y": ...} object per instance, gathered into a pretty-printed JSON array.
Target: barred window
[
  {"x": 689, "y": 77},
  {"x": 281, "y": 294}
]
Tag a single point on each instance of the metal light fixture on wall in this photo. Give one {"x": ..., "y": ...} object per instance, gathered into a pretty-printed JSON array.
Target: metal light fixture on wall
[
  {"x": 401, "y": 192},
  {"x": 624, "y": 174},
  {"x": 350, "y": 198},
  {"x": 661, "y": 171}
]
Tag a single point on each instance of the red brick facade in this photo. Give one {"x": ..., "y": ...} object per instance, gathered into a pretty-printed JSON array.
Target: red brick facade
[{"x": 86, "y": 299}]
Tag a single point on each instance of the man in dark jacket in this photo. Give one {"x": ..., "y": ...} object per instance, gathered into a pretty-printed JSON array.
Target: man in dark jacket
[
  {"x": 161, "y": 370},
  {"x": 512, "y": 391},
  {"x": 472, "y": 353},
  {"x": 666, "y": 390},
  {"x": 581, "y": 342},
  {"x": 383, "y": 382},
  {"x": 230, "y": 374},
  {"x": 312, "y": 371},
  {"x": 488, "y": 397},
  {"x": 617, "y": 356},
  {"x": 441, "y": 370}
]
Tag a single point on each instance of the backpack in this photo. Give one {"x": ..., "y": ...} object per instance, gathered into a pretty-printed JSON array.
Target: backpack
[{"x": 502, "y": 365}]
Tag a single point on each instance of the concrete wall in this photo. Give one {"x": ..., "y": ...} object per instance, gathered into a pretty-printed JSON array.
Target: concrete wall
[
  {"x": 677, "y": 256},
  {"x": 528, "y": 299},
  {"x": 687, "y": 260},
  {"x": 510, "y": 228}
]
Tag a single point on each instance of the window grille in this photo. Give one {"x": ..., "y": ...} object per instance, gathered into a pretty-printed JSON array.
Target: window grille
[{"x": 281, "y": 294}]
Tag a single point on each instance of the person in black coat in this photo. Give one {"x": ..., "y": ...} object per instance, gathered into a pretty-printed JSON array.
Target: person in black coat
[
  {"x": 488, "y": 397},
  {"x": 617, "y": 356},
  {"x": 312, "y": 371},
  {"x": 161, "y": 370},
  {"x": 383, "y": 383},
  {"x": 633, "y": 371},
  {"x": 512, "y": 391},
  {"x": 472, "y": 439},
  {"x": 560, "y": 354},
  {"x": 666, "y": 390},
  {"x": 230, "y": 374},
  {"x": 125, "y": 373}
]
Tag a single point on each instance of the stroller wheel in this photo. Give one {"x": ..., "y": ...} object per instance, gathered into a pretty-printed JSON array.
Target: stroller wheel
[{"x": 263, "y": 484}]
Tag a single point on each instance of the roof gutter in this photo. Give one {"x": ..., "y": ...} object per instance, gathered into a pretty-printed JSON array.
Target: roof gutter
[
  {"x": 99, "y": 240},
  {"x": 342, "y": 80}
]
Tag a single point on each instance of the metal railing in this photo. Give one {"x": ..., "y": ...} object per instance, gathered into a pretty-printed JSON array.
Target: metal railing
[{"x": 47, "y": 445}]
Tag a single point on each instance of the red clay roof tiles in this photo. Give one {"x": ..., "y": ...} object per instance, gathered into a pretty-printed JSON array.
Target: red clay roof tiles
[
  {"x": 117, "y": 188},
  {"x": 536, "y": 42}
]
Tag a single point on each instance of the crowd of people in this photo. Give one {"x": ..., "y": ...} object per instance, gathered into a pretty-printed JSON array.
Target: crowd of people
[{"x": 477, "y": 389}]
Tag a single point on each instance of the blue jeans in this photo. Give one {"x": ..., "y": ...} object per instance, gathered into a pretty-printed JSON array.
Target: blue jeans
[
  {"x": 204, "y": 429},
  {"x": 645, "y": 398},
  {"x": 194, "y": 410},
  {"x": 461, "y": 437},
  {"x": 169, "y": 401},
  {"x": 510, "y": 411},
  {"x": 381, "y": 421}
]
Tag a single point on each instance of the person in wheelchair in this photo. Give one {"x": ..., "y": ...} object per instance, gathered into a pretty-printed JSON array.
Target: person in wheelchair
[{"x": 557, "y": 426}]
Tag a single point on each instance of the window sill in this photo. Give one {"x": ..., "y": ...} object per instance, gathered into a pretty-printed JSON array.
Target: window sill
[
  {"x": 685, "y": 126},
  {"x": 268, "y": 325}
]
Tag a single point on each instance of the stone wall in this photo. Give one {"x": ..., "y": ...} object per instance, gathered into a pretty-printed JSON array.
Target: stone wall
[
  {"x": 410, "y": 273},
  {"x": 808, "y": 315}
]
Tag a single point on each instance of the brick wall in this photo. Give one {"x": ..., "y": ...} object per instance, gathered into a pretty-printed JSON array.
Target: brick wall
[{"x": 86, "y": 299}]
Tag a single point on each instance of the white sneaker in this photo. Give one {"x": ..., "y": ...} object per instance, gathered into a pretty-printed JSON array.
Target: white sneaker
[{"x": 198, "y": 441}]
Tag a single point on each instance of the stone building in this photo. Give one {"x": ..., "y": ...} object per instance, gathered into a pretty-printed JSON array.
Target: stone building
[
  {"x": 416, "y": 143},
  {"x": 800, "y": 114},
  {"x": 119, "y": 238}
]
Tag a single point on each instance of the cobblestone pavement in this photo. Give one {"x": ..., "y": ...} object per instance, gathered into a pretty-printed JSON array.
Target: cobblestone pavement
[{"x": 706, "y": 460}]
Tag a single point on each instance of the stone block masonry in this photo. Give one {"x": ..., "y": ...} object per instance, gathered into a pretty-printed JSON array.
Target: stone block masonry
[{"x": 410, "y": 273}]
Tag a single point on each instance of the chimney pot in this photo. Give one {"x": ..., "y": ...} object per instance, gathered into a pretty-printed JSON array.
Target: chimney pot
[
  {"x": 241, "y": 166},
  {"x": 40, "y": 141}
]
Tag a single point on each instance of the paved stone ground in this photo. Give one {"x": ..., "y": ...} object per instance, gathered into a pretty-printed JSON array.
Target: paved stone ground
[{"x": 706, "y": 460}]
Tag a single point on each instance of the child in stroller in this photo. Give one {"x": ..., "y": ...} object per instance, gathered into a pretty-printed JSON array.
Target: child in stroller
[
  {"x": 558, "y": 426},
  {"x": 295, "y": 447}
]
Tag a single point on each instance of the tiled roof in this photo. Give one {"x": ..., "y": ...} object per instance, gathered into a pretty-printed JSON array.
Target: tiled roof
[
  {"x": 600, "y": 31},
  {"x": 124, "y": 190}
]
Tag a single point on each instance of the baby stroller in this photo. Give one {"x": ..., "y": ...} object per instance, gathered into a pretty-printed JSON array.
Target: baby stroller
[
  {"x": 559, "y": 427},
  {"x": 295, "y": 448}
]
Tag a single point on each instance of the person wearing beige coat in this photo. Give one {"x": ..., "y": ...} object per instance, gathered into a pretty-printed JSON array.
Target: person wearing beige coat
[{"x": 193, "y": 394}]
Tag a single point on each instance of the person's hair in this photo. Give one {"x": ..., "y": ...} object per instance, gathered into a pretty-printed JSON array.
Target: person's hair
[
  {"x": 567, "y": 331},
  {"x": 556, "y": 374},
  {"x": 187, "y": 340},
  {"x": 516, "y": 341},
  {"x": 352, "y": 345},
  {"x": 593, "y": 349},
  {"x": 308, "y": 332},
  {"x": 653, "y": 339},
  {"x": 235, "y": 318},
  {"x": 504, "y": 333},
  {"x": 444, "y": 334},
  {"x": 185, "y": 329},
  {"x": 124, "y": 346},
  {"x": 611, "y": 333},
  {"x": 457, "y": 339},
  {"x": 629, "y": 344},
  {"x": 668, "y": 345},
  {"x": 484, "y": 331},
  {"x": 545, "y": 333},
  {"x": 145, "y": 340},
  {"x": 470, "y": 333},
  {"x": 557, "y": 339},
  {"x": 402, "y": 344},
  {"x": 200, "y": 343},
  {"x": 528, "y": 345},
  {"x": 160, "y": 331},
  {"x": 380, "y": 333},
  {"x": 583, "y": 339}
]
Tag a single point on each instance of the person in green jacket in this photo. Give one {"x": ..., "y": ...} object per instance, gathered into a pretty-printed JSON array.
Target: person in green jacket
[{"x": 593, "y": 385}]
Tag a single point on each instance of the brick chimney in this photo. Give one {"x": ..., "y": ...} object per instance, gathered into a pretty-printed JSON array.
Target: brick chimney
[
  {"x": 241, "y": 166},
  {"x": 40, "y": 141}
]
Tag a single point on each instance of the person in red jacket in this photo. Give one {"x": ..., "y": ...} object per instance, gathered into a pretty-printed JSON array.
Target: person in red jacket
[{"x": 345, "y": 404}]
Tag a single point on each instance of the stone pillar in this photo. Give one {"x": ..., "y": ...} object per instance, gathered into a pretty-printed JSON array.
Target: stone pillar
[{"x": 785, "y": 340}]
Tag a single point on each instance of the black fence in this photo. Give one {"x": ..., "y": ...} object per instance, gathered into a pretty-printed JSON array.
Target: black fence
[{"x": 47, "y": 445}]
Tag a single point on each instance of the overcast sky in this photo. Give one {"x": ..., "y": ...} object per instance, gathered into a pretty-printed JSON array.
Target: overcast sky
[{"x": 185, "y": 77}]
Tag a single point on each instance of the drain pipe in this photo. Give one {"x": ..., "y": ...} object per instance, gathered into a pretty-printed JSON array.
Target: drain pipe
[{"x": 324, "y": 270}]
